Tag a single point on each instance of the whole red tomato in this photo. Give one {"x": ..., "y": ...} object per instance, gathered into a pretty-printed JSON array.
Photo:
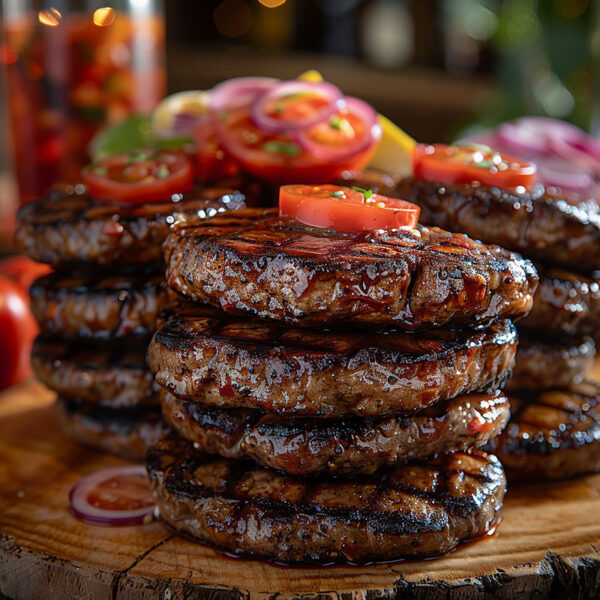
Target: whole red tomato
[{"x": 18, "y": 330}]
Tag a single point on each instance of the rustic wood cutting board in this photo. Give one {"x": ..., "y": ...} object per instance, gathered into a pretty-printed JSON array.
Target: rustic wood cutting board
[{"x": 547, "y": 546}]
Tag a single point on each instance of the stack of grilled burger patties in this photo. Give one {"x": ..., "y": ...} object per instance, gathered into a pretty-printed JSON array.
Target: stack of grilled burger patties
[
  {"x": 97, "y": 310},
  {"x": 329, "y": 399},
  {"x": 554, "y": 430}
]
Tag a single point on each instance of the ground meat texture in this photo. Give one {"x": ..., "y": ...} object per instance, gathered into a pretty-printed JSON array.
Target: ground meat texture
[
  {"x": 422, "y": 509},
  {"x": 89, "y": 305},
  {"x": 226, "y": 361},
  {"x": 544, "y": 224},
  {"x": 281, "y": 270},
  {"x": 67, "y": 228},
  {"x": 544, "y": 362},
  {"x": 110, "y": 375},
  {"x": 126, "y": 434},
  {"x": 565, "y": 303},
  {"x": 305, "y": 446},
  {"x": 552, "y": 434}
]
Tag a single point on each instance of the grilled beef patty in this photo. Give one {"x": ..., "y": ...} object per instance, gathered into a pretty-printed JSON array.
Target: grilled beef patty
[
  {"x": 127, "y": 434},
  {"x": 91, "y": 306},
  {"x": 422, "y": 509},
  {"x": 256, "y": 264},
  {"x": 544, "y": 363},
  {"x": 552, "y": 434},
  {"x": 304, "y": 445},
  {"x": 544, "y": 224},
  {"x": 67, "y": 228},
  {"x": 565, "y": 303},
  {"x": 111, "y": 375},
  {"x": 239, "y": 363}
]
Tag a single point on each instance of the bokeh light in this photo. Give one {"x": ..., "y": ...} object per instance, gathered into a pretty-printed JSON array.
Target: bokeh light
[
  {"x": 105, "y": 16},
  {"x": 272, "y": 3},
  {"x": 50, "y": 17}
]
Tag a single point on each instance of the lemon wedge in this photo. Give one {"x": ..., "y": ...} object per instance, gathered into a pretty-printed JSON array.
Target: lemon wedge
[
  {"x": 394, "y": 152},
  {"x": 193, "y": 102}
]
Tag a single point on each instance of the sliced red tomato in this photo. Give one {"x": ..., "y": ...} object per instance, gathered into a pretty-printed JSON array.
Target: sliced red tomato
[
  {"x": 345, "y": 209},
  {"x": 213, "y": 161},
  {"x": 140, "y": 176},
  {"x": 466, "y": 164},
  {"x": 279, "y": 158},
  {"x": 113, "y": 496},
  {"x": 23, "y": 270},
  {"x": 18, "y": 329}
]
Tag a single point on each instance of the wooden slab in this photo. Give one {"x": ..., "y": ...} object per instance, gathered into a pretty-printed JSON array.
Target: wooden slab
[{"x": 547, "y": 546}]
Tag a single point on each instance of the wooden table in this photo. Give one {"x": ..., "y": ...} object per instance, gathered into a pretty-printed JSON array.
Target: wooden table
[{"x": 547, "y": 546}]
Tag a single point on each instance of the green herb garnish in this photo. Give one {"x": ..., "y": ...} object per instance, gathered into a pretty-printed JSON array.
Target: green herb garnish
[
  {"x": 102, "y": 171},
  {"x": 335, "y": 122},
  {"x": 366, "y": 193},
  {"x": 137, "y": 157},
  {"x": 338, "y": 194},
  {"x": 484, "y": 164},
  {"x": 162, "y": 172},
  {"x": 285, "y": 148}
]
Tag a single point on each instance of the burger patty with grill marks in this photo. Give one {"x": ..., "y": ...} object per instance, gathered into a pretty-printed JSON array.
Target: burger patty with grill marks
[
  {"x": 107, "y": 374},
  {"x": 126, "y": 434},
  {"x": 88, "y": 305},
  {"x": 67, "y": 229},
  {"x": 421, "y": 509},
  {"x": 552, "y": 434},
  {"x": 252, "y": 262},
  {"x": 545, "y": 362},
  {"x": 231, "y": 362},
  {"x": 304, "y": 445}
]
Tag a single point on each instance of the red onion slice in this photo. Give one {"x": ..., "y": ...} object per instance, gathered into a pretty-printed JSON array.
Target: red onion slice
[
  {"x": 109, "y": 485},
  {"x": 260, "y": 117},
  {"x": 373, "y": 132},
  {"x": 238, "y": 93}
]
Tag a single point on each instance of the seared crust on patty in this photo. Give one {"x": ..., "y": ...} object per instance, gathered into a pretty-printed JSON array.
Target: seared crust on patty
[
  {"x": 88, "y": 305},
  {"x": 254, "y": 263},
  {"x": 111, "y": 375},
  {"x": 421, "y": 509},
  {"x": 66, "y": 227},
  {"x": 565, "y": 303},
  {"x": 552, "y": 434},
  {"x": 234, "y": 362},
  {"x": 126, "y": 434},
  {"x": 545, "y": 224},
  {"x": 354, "y": 446},
  {"x": 546, "y": 363}
]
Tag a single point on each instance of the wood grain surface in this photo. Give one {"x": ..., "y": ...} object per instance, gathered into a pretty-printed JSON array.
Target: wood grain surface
[{"x": 548, "y": 545}]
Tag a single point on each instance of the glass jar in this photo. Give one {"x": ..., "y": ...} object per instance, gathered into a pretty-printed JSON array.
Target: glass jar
[{"x": 72, "y": 67}]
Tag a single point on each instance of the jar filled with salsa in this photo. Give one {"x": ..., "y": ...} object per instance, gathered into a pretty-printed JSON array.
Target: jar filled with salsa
[{"x": 72, "y": 67}]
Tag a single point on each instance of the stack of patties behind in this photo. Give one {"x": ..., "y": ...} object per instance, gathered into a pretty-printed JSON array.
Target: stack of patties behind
[
  {"x": 97, "y": 310},
  {"x": 330, "y": 402},
  {"x": 555, "y": 426}
]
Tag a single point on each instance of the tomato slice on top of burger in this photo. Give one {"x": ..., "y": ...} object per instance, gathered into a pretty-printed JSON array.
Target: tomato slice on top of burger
[
  {"x": 140, "y": 176},
  {"x": 345, "y": 209},
  {"x": 470, "y": 163}
]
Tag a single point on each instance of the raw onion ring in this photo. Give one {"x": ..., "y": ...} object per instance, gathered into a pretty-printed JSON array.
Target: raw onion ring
[
  {"x": 263, "y": 121},
  {"x": 94, "y": 515},
  {"x": 373, "y": 133}
]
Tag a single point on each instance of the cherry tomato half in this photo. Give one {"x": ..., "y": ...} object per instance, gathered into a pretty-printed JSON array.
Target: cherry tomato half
[
  {"x": 18, "y": 329},
  {"x": 278, "y": 158},
  {"x": 345, "y": 209},
  {"x": 23, "y": 270},
  {"x": 466, "y": 164},
  {"x": 140, "y": 176}
]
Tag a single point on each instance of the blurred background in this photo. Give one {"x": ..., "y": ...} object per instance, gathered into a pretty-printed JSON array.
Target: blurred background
[{"x": 438, "y": 68}]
